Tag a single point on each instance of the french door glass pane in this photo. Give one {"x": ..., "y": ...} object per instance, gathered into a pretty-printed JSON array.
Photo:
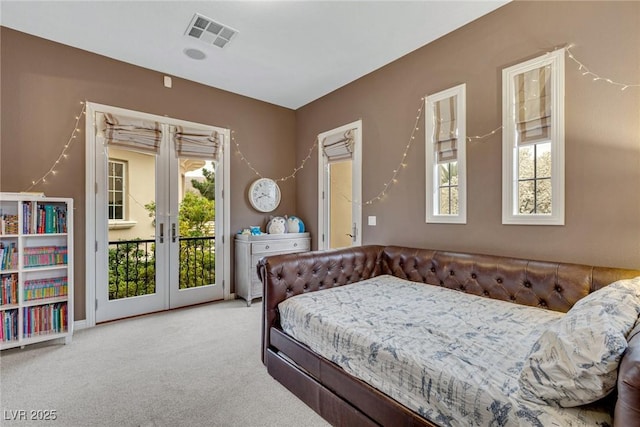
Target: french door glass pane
[
  {"x": 132, "y": 247},
  {"x": 196, "y": 223}
]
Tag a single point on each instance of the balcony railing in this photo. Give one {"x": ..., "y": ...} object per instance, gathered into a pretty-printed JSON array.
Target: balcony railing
[{"x": 132, "y": 265}]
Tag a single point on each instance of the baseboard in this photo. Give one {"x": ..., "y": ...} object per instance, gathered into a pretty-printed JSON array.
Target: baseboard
[{"x": 80, "y": 324}]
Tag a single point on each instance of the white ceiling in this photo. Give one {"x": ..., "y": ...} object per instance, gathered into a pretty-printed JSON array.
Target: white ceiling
[{"x": 288, "y": 53}]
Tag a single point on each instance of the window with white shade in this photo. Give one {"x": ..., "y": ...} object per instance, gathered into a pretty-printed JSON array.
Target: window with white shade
[
  {"x": 533, "y": 141},
  {"x": 446, "y": 156}
]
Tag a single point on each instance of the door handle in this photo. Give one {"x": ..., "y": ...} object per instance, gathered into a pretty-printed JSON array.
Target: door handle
[
  {"x": 173, "y": 232},
  {"x": 161, "y": 232}
]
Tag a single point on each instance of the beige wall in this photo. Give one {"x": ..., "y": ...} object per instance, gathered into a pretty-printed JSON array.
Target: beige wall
[
  {"x": 42, "y": 85},
  {"x": 602, "y": 134}
]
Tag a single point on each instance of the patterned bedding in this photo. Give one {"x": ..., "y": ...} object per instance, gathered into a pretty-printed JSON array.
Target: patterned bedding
[{"x": 452, "y": 357}]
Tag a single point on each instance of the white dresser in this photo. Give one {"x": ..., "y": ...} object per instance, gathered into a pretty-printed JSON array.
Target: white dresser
[{"x": 249, "y": 250}]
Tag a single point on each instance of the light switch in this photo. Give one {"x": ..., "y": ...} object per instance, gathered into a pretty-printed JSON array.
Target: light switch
[
  {"x": 372, "y": 220},
  {"x": 167, "y": 81}
]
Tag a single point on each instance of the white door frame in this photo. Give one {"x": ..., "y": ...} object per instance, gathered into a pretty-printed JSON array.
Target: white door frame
[
  {"x": 93, "y": 236},
  {"x": 323, "y": 185}
]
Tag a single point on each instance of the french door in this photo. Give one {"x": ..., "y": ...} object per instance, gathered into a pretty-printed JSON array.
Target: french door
[
  {"x": 159, "y": 224},
  {"x": 340, "y": 186}
]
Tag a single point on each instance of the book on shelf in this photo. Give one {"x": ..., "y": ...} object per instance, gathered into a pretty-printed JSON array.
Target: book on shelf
[
  {"x": 8, "y": 256},
  {"x": 8, "y": 224},
  {"x": 45, "y": 288},
  {"x": 51, "y": 219},
  {"x": 9, "y": 289},
  {"x": 9, "y": 330},
  {"x": 45, "y": 319},
  {"x": 41, "y": 256}
]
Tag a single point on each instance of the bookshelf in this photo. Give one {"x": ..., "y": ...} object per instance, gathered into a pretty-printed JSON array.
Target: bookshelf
[{"x": 36, "y": 269}]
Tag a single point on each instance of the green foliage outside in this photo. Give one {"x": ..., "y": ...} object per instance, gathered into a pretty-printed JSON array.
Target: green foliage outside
[
  {"x": 534, "y": 179},
  {"x": 132, "y": 261},
  {"x": 136, "y": 261}
]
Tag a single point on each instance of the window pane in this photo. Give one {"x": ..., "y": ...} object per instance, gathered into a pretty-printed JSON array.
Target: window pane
[
  {"x": 117, "y": 169},
  {"x": 117, "y": 198},
  {"x": 543, "y": 196},
  {"x": 526, "y": 202},
  {"x": 453, "y": 172},
  {"x": 117, "y": 184},
  {"x": 454, "y": 201},
  {"x": 444, "y": 201},
  {"x": 526, "y": 168},
  {"x": 118, "y": 212},
  {"x": 112, "y": 197},
  {"x": 543, "y": 160},
  {"x": 444, "y": 174}
]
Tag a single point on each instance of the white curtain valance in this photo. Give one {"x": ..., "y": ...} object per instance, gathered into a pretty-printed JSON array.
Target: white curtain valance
[
  {"x": 135, "y": 134},
  {"x": 533, "y": 106},
  {"x": 339, "y": 146},
  {"x": 446, "y": 130},
  {"x": 196, "y": 143}
]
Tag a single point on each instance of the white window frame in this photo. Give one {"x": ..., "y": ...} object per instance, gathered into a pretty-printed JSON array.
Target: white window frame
[
  {"x": 432, "y": 177},
  {"x": 510, "y": 214},
  {"x": 124, "y": 189}
]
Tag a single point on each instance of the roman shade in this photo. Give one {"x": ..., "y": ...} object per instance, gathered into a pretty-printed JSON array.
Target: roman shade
[
  {"x": 533, "y": 105},
  {"x": 133, "y": 134},
  {"x": 196, "y": 143},
  {"x": 339, "y": 146},
  {"x": 445, "y": 136}
]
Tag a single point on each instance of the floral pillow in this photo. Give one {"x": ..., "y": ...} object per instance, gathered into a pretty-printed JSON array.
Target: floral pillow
[{"x": 575, "y": 361}]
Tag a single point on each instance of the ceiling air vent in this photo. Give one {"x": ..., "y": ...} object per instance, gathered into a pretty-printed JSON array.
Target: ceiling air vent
[{"x": 210, "y": 31}]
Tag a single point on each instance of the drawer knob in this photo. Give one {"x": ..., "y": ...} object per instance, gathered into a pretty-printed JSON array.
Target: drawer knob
[
  {"x": 295, "y": 245},
  {"x": 266, "y": 247}
]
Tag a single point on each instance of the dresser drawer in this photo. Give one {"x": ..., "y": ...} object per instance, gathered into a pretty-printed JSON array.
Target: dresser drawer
[{"x": 280, "y": 246}]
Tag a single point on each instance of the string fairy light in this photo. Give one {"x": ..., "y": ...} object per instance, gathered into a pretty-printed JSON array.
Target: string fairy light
[
  {"x": 403, "y": 162},
  {"x": 281, "y": 179},
  {"x": 486, "y": 135},
  {"x": 64, "y": 154},
  {"x": 596, "y": 77}
]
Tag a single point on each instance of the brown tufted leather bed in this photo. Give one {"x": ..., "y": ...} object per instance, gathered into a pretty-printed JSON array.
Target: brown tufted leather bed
[{"x": 346, "y": 401}]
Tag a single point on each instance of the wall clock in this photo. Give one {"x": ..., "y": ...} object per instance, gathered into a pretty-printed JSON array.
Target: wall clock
[{"x": 264, "y": 195}]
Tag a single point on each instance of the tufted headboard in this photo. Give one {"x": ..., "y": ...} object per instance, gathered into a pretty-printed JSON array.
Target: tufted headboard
[{"x": 551, "y": 285}]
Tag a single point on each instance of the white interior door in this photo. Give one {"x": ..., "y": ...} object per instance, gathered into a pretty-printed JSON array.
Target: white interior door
[
  {"x": 157, "y": 244},
  {"x": 340, "y": 186}
]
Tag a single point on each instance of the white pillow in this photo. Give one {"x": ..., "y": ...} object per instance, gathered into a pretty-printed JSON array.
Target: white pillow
[{"x": 575, "y": 361}]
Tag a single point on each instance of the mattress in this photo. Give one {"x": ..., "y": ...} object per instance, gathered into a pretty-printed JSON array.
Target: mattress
[{"x": 452, "y": 357}]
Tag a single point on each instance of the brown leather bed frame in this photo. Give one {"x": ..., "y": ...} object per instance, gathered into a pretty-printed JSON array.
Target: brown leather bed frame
[{"x": 346, "y": 401}]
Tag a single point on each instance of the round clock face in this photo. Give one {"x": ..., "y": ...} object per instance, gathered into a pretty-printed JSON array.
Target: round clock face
[{"x": 264, "y": 195}]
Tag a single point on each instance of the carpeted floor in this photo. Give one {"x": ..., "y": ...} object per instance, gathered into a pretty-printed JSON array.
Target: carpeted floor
[{"x": 197, "y": 366}]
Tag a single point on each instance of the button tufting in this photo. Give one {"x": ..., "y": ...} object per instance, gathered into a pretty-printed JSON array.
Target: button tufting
[
  {"x": 527, "y": 284},
  {"x": 473, "y": 275},
  {"x": 461, "y": 288},
  {"x": 499, "y": 280},
  {"x": 305, "y": 286},
  {"x": 543, "y": 303},
  {"x": 433, "y": 270},
  {"x": 441, "y": 283},
  {"x": 558, "y": 288},
  {"x": 512, "y": 297},
  {"x": 486, "y": 293},
  {"x": 451, "y": 273},
  {"x": 288, "y": 290}
]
